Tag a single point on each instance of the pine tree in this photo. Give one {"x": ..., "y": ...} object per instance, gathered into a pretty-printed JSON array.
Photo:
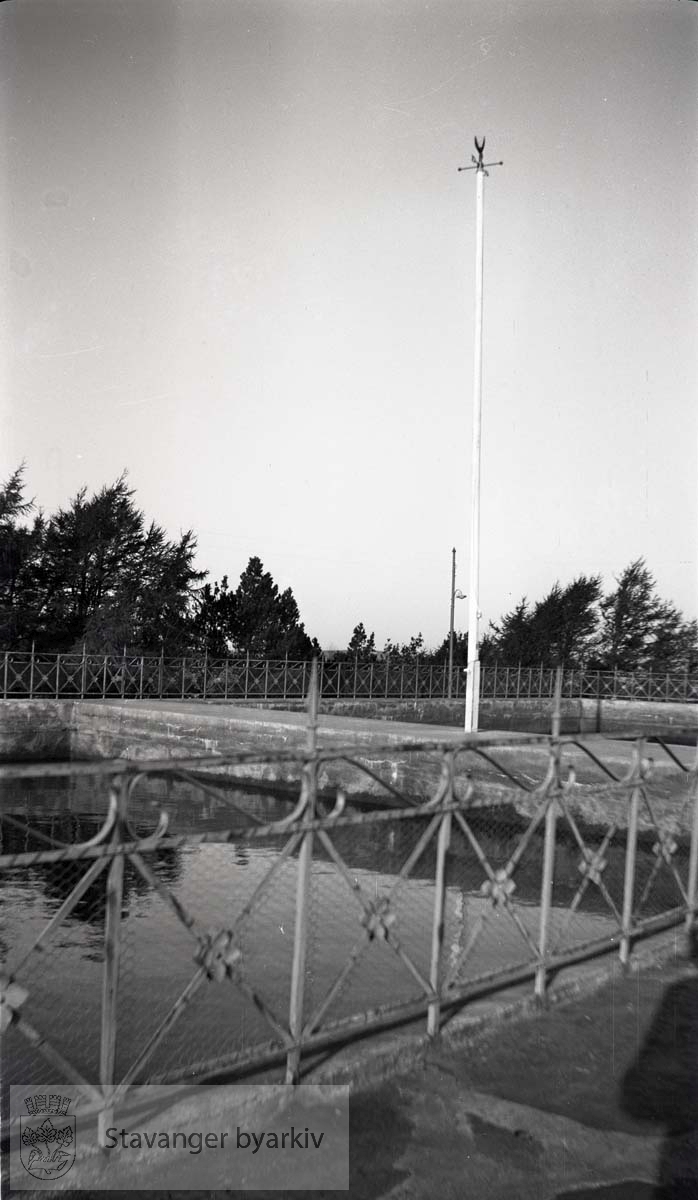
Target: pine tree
[
  {"x": 641, "y": 630},
  {"x": 266, "y": 622},
  {"x": 361, "y": 645},
  {"x": 20, "y": 545}
]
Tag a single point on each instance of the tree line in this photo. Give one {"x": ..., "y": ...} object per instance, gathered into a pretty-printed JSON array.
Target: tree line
[
  {"x": 98, "y": 574},
  {"x": 577, "y": 626}
]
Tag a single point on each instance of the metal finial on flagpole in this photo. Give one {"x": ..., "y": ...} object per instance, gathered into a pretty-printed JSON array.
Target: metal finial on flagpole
[
  {"x": 472, "y": 689},
  {"x": 477, "y": 163}
]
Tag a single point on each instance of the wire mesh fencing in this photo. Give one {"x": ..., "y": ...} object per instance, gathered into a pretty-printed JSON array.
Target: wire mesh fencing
[{"x": 162, "y": 923}]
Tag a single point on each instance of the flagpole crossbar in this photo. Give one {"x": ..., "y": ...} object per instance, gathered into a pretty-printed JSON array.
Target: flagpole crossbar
[{"x": 477, "y": 163}]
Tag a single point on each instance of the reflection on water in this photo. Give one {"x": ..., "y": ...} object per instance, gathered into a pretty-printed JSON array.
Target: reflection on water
[{"x": 215, "y": 881}]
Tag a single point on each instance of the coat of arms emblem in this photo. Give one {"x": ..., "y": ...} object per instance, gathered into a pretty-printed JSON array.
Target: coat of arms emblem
[{"x": 47, "y": 1136}]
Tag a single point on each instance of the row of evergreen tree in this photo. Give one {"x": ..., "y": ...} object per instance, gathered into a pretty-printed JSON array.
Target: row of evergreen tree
[
  {"x": 628, "y": 629},
  {"x": 98, "y": 574}
]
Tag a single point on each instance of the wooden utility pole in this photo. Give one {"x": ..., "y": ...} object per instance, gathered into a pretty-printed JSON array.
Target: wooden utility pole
[
  {"x": 450, "y": 630},
  {"x": 455, "y": 595}
]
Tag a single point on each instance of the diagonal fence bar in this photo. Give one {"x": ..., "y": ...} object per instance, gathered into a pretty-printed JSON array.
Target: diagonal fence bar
[{"x": 139, "y": 675}]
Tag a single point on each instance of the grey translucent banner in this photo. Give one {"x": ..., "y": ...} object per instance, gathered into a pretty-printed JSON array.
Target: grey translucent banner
[{"x": 222, "y": 1138}]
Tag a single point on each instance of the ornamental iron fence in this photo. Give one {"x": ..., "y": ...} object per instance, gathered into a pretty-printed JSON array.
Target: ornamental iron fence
[
  {"x": 30, "y": 675},
  {"x": 172, "y": 926}
]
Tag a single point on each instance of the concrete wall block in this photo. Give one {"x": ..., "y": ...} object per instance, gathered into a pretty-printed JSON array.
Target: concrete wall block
[{"x": 35, "y": 730}]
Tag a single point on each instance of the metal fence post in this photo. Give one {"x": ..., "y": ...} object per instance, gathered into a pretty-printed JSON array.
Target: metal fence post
[
  {"x": 205, "y": 671},
  {"x": 557, "y": 703},
  {"x": 437, "y": 931},
  {"x": 161, "y": 673},
  {"x": 184, "y": 667},
  {"x": 58, "y": 675},
  {"x": 4, "y": 684},
  {"x": 416, "y": 680},
  {"x": 247, "y": 674},
  {"x": 285, "y": 674},
  {"x": 693, "y": 855},
  {"x": 630, "y": 857},
  {"x": 31, "y": 674},
  {"x": 546, "y": 895},
  {"x": 110, "y": 979},
  {"x": 140, "y": 681},
  {"x": 104, "y": 676},
  {"x": 387, "y": 675},
  {"x": 305, "y": 865},
  {"x": 225, "y": 685},
  {"x": 370, "y": 682}
]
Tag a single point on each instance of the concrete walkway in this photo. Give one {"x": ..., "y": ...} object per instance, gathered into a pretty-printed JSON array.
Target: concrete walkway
[
  {"x": 138, "y": 729},
  {"x": 254, "y": 716},
  {"x": 272, "y": 728},
  {"x": 531, "y": 1111},
  {"x": 527, "y": 1109}
]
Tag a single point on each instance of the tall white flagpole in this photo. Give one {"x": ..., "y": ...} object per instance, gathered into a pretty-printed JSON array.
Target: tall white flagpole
[{"x": 472, "y": 687}]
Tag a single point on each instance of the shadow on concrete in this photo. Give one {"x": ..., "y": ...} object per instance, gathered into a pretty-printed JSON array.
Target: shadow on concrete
[
  {"x": 662, "y": 1084},
  {"x": 629, "y": 1189}
]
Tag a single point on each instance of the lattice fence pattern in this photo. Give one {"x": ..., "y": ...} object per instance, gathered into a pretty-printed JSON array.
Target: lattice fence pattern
[
  {"x": 242, "y": 936},
  {"x": 109, "y": 676}
]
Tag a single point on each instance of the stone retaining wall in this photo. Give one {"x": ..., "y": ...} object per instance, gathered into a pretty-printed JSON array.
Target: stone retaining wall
[
  {"x": 148, "y": 730},
  {"x": 35, "y": 729},
  {"x": 611, "y": 717}
]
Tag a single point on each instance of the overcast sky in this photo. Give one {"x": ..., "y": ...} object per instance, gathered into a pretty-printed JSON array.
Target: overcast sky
[{"x": 241, "y": 265}]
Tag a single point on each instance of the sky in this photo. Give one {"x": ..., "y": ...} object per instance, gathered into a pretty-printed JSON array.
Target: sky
[{"x": 240, "y": 265}]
